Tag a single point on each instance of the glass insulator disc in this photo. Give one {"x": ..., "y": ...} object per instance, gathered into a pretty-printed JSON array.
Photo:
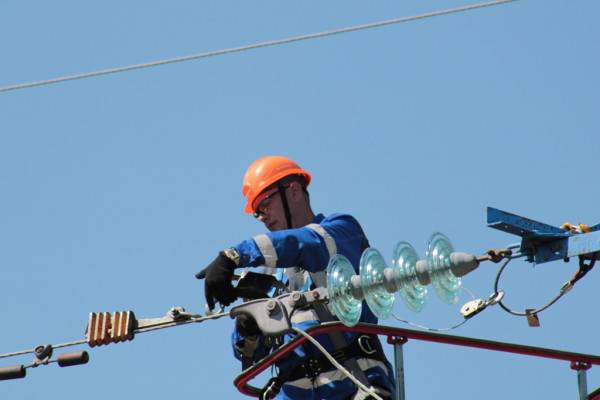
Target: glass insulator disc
[
  {"x": 404, "y": 263},
  {"x": 444, "y": 282},
  {"x": 341, "y": 302},
  {"x": 379, "y": 300}
]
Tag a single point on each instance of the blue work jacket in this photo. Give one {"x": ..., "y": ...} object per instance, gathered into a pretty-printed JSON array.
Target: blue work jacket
[{"x": 300, "y": 251}]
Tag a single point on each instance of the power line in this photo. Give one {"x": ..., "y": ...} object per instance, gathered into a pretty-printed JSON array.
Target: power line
[{"x": 271, "y": 43}]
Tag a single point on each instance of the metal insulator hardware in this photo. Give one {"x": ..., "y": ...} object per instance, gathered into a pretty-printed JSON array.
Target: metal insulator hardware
[
  {"x": 42, "y": 354},
  {"x": 104, "y": 328},
  {"x": 472, "y": 308}
]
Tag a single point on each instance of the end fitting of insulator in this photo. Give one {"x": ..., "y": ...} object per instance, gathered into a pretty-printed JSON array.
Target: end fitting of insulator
[{"x": 462, "y": 263}]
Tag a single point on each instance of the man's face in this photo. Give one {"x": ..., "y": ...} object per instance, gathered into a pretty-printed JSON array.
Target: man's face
[{"x": 270, "y": 211}]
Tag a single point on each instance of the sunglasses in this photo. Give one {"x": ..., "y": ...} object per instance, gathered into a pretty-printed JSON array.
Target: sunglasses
[{"x": 265, "y": 202}]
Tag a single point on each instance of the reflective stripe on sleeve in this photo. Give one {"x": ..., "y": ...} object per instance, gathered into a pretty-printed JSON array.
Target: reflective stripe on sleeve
[
  {"x": 329, "y": 242},
  {"x": 267, "y": 250},
  {"x": 320, "y": 278}
]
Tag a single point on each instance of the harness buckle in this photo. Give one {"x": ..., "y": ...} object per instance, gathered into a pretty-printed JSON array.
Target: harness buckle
[{"x": 364, "y": 342}]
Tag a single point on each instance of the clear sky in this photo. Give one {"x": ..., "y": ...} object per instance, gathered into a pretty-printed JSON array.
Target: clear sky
[{"x": 116, "y": 190}]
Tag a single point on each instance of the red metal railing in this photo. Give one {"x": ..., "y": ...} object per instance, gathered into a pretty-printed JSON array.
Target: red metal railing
[{"x": 577, "y": 360}]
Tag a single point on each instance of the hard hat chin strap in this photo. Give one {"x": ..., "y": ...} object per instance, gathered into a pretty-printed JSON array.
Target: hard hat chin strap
[{"x": 286, "y": 206}]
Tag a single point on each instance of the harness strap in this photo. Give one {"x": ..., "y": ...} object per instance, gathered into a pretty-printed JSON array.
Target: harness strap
[
  {"x": 365, "y": 346},
  {"x": 286, "y": 206},
  {"x": 337, "y": 338}
]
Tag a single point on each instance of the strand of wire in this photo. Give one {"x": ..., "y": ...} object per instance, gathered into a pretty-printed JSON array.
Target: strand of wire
[
  {"x": 336, "y": 364},
  {"x": 270, "y": 43},
  {"x": 55, "y": 346},
  {"x": 561, "y": 293},
  {"x": 148, "y": 328},
  {"x": 426, "y": 328},
  {"x": 163, "y": 325}
]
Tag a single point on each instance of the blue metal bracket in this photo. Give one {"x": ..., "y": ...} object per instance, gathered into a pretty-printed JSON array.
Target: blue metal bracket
[{"x": 541, "y": 242}]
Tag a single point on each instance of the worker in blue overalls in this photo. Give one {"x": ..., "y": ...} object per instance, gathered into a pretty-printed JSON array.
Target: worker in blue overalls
[{"x": 299, "y": 245}]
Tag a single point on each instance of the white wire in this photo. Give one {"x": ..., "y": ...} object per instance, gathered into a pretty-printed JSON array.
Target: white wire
[
  {"x": 252, "y": 46},
  {"x": 358, "y": 383}
]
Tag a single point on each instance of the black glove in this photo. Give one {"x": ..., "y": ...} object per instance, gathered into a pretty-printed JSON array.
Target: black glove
[
  {"x": 217, "y": 281},
  {"x": 255, "y": 286},
  {"x": 246, "y": 325}
]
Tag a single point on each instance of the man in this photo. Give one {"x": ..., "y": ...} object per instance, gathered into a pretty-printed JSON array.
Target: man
[{"x": 301, "y": 243}]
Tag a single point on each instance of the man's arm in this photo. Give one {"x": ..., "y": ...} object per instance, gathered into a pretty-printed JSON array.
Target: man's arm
[{"x": 306, "y": 247}]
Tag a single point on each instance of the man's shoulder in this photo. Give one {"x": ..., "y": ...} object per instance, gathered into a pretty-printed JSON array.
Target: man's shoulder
[{"x": 339, "y": 218}]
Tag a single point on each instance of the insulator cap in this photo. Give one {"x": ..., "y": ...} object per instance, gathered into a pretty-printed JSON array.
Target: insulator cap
[
  {"x": 12, "y": 372},
  {"x": 462, "y": 263},
  {"x": 74, "y": 358},
  {"x": 422, "y": 273}
]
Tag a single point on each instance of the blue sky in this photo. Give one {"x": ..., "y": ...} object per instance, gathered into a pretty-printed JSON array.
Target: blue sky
[{"x": 117, "y": 189}]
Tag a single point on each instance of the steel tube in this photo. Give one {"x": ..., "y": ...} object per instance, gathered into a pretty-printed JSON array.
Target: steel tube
[
  {"x": 399, "y": 369},
  {"x": 582, "y": 384}
]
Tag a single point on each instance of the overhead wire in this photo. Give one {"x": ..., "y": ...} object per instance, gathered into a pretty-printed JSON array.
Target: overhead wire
[
  {"x": 563, "y": 290},
  {"x": 270, "y": 43},
  {"x": 196, "y": 318}
]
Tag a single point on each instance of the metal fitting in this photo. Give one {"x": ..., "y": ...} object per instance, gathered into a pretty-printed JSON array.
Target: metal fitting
[
  {"x": 297, "y": 299},
  {"x": 271, "y": 306}
]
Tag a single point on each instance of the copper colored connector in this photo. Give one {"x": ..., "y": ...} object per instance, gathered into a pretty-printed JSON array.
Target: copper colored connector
[
  {"x": 104, "y": 328},
  {"x": 123, "y": 324}
]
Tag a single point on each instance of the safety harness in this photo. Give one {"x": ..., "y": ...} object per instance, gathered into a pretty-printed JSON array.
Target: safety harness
[{"x": 365, "y": 346}]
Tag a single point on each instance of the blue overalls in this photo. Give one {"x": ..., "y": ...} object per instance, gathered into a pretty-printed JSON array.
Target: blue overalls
[{"x": 302, "y": 251}]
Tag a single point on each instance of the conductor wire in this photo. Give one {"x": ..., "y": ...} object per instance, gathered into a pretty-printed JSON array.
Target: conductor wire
[
  {"x": 148, "y": 328},
  {"x": 561, "y": 293},
  {"x": 270, "y": 43}
]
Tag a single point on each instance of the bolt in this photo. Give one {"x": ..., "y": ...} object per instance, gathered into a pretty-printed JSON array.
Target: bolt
[
  {"x": 271, "y": 305},
  {"x": 315, "y": 294}
]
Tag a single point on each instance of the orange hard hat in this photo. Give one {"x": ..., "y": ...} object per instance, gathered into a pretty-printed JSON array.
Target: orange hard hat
[{"x": 264, "y": 172}]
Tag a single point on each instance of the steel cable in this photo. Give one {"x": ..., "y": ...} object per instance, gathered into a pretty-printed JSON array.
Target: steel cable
[
  {"x": 148, "y": 328},
  {"x": 270, "y": 43}
]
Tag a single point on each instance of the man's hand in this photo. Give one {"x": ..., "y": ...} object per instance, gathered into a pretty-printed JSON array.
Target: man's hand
[{"x": 217, "y": 281}]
